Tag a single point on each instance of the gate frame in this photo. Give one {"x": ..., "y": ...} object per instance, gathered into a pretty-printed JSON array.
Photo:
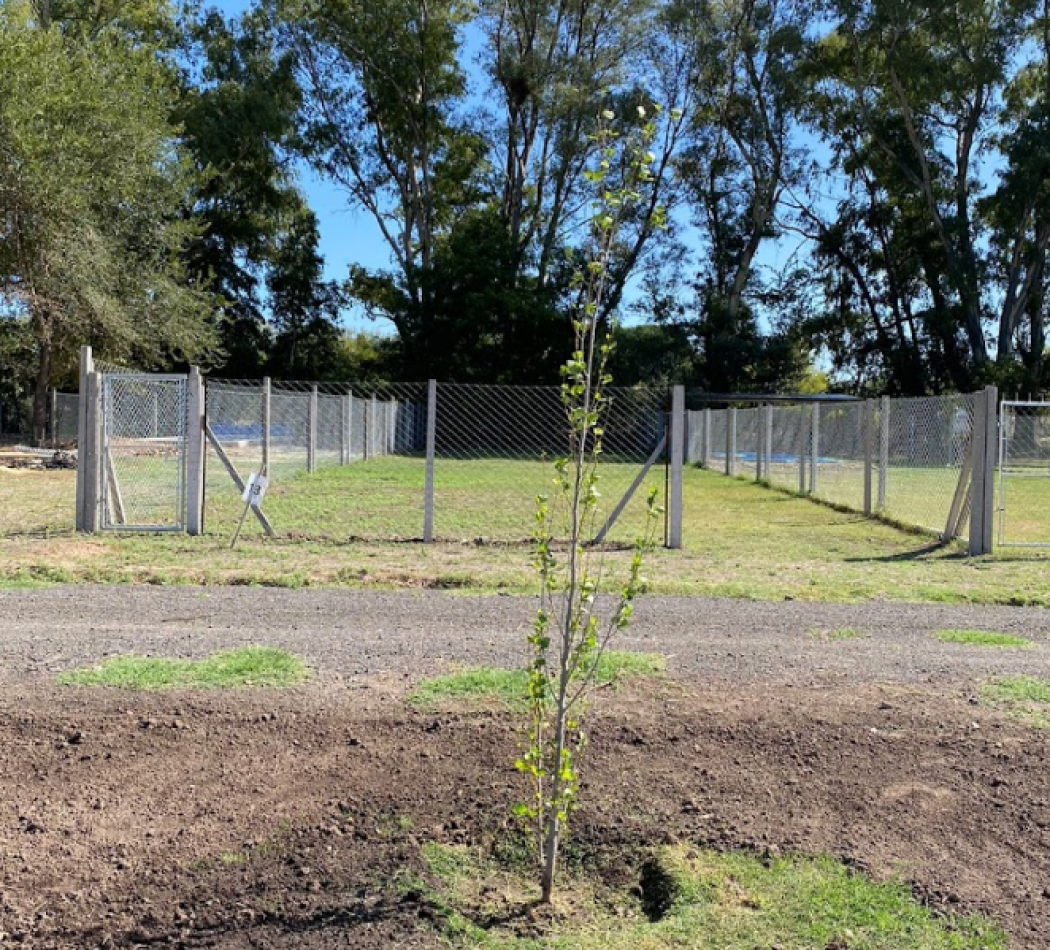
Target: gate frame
[{"x": 106, "y": 477}]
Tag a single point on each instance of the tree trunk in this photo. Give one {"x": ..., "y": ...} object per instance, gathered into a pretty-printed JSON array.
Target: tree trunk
[{"x": 41, "y": 393}]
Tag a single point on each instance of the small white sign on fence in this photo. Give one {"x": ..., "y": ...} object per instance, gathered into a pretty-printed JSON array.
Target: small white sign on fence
[{"x": 255, "y": 489}]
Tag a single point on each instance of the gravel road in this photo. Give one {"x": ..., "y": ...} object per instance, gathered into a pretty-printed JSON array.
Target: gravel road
[{"x": 353, "y": 633}]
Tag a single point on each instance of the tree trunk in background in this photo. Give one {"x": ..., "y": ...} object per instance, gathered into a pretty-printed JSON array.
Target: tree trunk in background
[{"x": 41, "y": 392}]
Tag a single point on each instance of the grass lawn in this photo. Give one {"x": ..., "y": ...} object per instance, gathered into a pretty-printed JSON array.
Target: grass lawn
[
  {"x": 248, "y": 666},
  {"x": 741, "y": 540},
  {"x": 693, "y": 898}
]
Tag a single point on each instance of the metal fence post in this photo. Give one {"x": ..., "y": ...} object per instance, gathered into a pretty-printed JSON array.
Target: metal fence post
[
  {"x": 674, "y": 511},
  {"x": 267, "y": 415},
  {"x": 884, "y": 449},
  {"x": 868, "y": 436},
  {"x": 87, "y": 366},
  {"x": 705, "y": 445},
  {"x": 311, "y": 450},
  {"x": 731, "y": 442},
  {"x": 428, "y": 489},
  {"x": 814, "y": 447},
  {"x": 982, "y": 486},
  {"x": 195, "y": 403}
]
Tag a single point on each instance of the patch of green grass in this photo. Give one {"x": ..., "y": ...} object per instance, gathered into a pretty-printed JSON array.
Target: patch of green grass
[
  {"x": 508, "y": 687},
  {"x": 1022, "y": 697},
  {"x": 703, "y": 900},
  {"x": 981, "y": 638},
  {"x": 248, "y": 666}
]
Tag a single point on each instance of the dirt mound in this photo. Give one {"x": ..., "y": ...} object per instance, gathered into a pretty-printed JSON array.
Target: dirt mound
[{"x": 294, "y": 819}]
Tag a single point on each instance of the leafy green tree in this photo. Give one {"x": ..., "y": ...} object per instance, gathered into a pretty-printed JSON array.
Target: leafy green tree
[
  {"x": 383, "y": 119},
  {"x": 258, "y": 243},
  {"x": 934, "y": 268},
  {"x": 91, "y": 185}
]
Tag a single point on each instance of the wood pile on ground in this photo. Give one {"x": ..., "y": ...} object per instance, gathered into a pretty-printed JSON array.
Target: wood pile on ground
[{"x": 20, "y": 457}]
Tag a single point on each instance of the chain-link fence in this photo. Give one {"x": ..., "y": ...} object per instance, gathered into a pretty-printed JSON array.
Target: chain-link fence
[
  {"x": 494, "y": 453},
  {"x": 1024, "y": 475},
  {"x": 903, "y": 458},
  {"x": 928, "y": 444},
  {"x": 374, "y": 433}
]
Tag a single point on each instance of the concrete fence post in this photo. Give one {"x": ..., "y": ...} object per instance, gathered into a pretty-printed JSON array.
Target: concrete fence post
[
  {"x": 675, "y": 501},
  {"x": 373, "y": 424},
  {"x": 267, "y": 422},
  {"x": 884, "y": 449},
  {"x": 344, "y": 430},
  {"x": 92, "y": 447},
  {"x": 705, "y": 445},
  {"x": 802, "y": 448},
  {"x": 759, "y": 412},
  {"x": 731, "y": 442},
  {"x": 311, "y": 422},
  {"x": 87, "y": 366},
  {"x": 868, "y": 440},
  {"x": 195, "y": 421},
  {"x": 53, "y": 414},
  {"x": 428, "y": 488},
  {"x": 767, "y": 442},
  {"x": 984, "y": 446},
  {"x": 814, "y": 448}
]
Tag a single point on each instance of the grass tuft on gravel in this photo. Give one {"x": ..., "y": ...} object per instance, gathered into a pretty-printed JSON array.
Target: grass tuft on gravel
[
  {"x": 248, "y": 666},
  {"x": 981, "y": 638},
  {"x": 508, "y": 687},
  {"x": 700, "y": 899},
  {"x": 1023, "y": 697}
]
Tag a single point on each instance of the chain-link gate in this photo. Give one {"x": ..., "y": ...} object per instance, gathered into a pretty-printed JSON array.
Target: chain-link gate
[
  {"x": 1024, "y": 474},
  {"x": 143, "y": 452}
]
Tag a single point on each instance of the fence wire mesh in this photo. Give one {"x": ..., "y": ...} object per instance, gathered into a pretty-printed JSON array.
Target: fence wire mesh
[
  {"x": 841, "y": 460},
  {"x": 747, "y": 426},
  {"x": 143, "y": 462},
  {"x": 928, "y": 444},
  {"x": 65, "y": 411},
  {"x": 909, "y": 453},
  {"x": 1024, "y": 475},
  {"x": 789, "y": 427},
  {"x": 373, "y": 434},
  {"x": 494, "y": 452}
]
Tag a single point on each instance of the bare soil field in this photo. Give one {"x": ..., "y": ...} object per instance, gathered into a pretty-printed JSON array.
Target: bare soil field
[{"x": 285, "y": 819}]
